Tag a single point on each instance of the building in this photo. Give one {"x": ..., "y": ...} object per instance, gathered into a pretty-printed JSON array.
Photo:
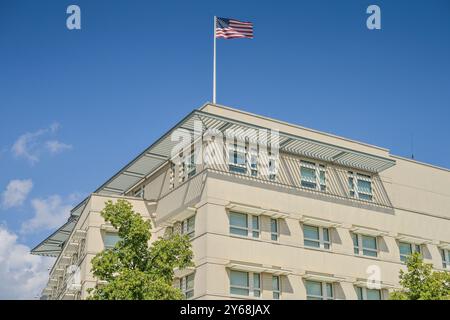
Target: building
[{"x": 274, "y": 211}]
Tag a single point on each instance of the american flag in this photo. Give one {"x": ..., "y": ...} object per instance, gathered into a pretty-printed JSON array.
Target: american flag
[{"x": 231, "y": 29}]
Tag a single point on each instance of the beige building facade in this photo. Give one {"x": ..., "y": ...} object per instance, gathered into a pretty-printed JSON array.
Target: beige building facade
[{"x": 273, "y": 210}]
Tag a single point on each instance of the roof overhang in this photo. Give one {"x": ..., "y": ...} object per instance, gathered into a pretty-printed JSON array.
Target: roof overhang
[{"x": 161, "y": 151}]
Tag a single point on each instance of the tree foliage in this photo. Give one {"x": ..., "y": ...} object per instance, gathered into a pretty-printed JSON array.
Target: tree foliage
[
  {"x": 133, "y": 269},
  {"x": 420, "y": 282}
]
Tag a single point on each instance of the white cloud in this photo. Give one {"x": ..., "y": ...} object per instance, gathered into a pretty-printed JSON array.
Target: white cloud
[
  {"x": 16, "y": 192},
  {"x": 54, "y": 146},
  {"x": 22, "y": 275},
  {"x": 50, "y": 213},
  {"x": 31, "y": 145}
]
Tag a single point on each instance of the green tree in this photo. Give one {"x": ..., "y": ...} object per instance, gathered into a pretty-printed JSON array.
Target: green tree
[
  {"x": 133, "y": 269},
  {"x": 420, "y": 282}
]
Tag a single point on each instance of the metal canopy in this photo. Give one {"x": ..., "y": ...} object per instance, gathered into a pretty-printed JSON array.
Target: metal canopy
[{"x": 161, "y": 151}]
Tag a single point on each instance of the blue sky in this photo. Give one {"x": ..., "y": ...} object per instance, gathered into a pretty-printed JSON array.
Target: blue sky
[{"x": 77, "y": 105}]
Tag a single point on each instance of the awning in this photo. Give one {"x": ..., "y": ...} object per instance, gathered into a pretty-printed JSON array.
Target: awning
[
  {"x": 364, "y": 283},
  {"x": 322, "y": 277},
  {"x": 412, "y": 239},
  {"x": 319, "y": 222},
  {"x": 256, "y": 211},
  {"x": 160, "y": 152},
  {"x": 368, "y": 231},
  {"x": 259, "y": 268}
]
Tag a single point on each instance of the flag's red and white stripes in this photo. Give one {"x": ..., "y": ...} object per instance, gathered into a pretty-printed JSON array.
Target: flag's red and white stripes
[{"x": 232, "y": 29}]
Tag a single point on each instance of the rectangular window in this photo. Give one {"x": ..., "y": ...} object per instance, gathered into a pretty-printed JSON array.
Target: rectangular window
[
  {"x": 406, "y": 249},
  {"x": 316, "y": 290},
  {"x": 445, "y": 258},
  {"x": 139, "y": 193},
  {"x": 368, "y": 294},
  {"x": 322, "y": 179},
  {"x": 110, "y": 239},
  {"x": 187, "y": 286},
  {"x": 274, "y": 229},
  {"x": 190, "y": 164},
  {"x": 308, "y": 174},
  {"x": 360, "y": 186},
  {"x": 272, "y": 167},
  {"x": 245, "y": 283},
  {"x": 276, "y": 291},
  {"x": 188, "y": 227},
  {"x": 365, "y": 245},
  {"x": 254, "y": 162},
  {"x": 237, "y": 155},
  {"x": 245, "y": 225},
  {"x": 316, "y": 237}
]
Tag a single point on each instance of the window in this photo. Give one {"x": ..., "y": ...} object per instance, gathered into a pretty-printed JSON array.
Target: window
[
  {"x": 187, "y": 285},
  {"x": 368, "y": 294},
  {"x": 237, "y": 158},
  {"x": 190, "y": 164},
  {"x": 188, "y": 227},
  {"x": 312, "y": 176},
  {"x": 316, "y": 290},
  {"x": 316, "y": 237},
  {"x": 308, "y": 174},
  {"x": 362, "y": 189},
  {"x": 276, "y": 291},
  {"x": 365, "y": 245},
  {"x": 139, "y": 193},
  {"x": 406, "y": 249},
  {"x": 240, "y": 222},
  {"x": 445, "y": 258},
  {"x": 254, "y": 162},
  {"x": 272, "y": 167},
  {"x": 245, "y": 283},
  {"x": 274, "y": 229},
  {"x": 110, "y": 239}
]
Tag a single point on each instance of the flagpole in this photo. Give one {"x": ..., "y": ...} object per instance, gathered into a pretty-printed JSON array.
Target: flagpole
[{"x": 214, "y": 63}]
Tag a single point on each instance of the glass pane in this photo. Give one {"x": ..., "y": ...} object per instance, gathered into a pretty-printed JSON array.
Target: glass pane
[
  {"x": 276, "y": 296},
  {"x": 359, "y": 293},
  {"x": 373, "y": 294},
  {"x": 255, "y": 223},
  {"x": 322, "y": 177},
  {"x": 110, "y": 239},
  {"x": 190, "y": 281},
  {"x": 238, "y": 278},
  {"x": 313, "y": 288},
  {"x": 311, "y": 232},
  {"x": 308, "y": 177},
  {"x": 326, "y": 236},
  {"x": 238, "y": 219},
  {"x": 329, "y": 290},
  {"x": 255, "y": 234},
  {"x": 239, "y": 291},
  {"x": 370, "y": 253},
  {"x": 256, "y": 281},
  {"x": 239, "y": 232},
  {"x": 310, "y": 243},
  {"x": 257, "y": 293},
  {"x": 355, "y": 239},
  {"x": 364, "y": 186},
  {"x": 191, "y": 224},
  {"x": 275, "y": 283},
  {"x": 405, "y": 248},
  {"x": 369, "y": 242},
  {"x": 274, "y": 225},
  {"x": 274, "y": 237}
]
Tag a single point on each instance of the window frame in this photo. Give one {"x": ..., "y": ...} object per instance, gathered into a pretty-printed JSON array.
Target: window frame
[
  {"x": 353, "y": 190},
  {"x": 274, "y": 235},
  {"x": 250, "y": 228},
  {"x": 276, "y": 291},
  {"x": 324, "y": 290},
  {"x": 237, "y": 148},
  {"x": 361, "y": 293},
  {"x": 184, "y": 228},
  {"x": 109, "y": 233},
  {"x": 413, "y": 248},
  {"x": 253, "y": 291},
  {"x": 183, "y": 286},
  {"x": 359, "y": 249},
  {"x": 320, "y": 171},
  {"x": 445, "y": 255},
  {"x": 323, "y": 244}
]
